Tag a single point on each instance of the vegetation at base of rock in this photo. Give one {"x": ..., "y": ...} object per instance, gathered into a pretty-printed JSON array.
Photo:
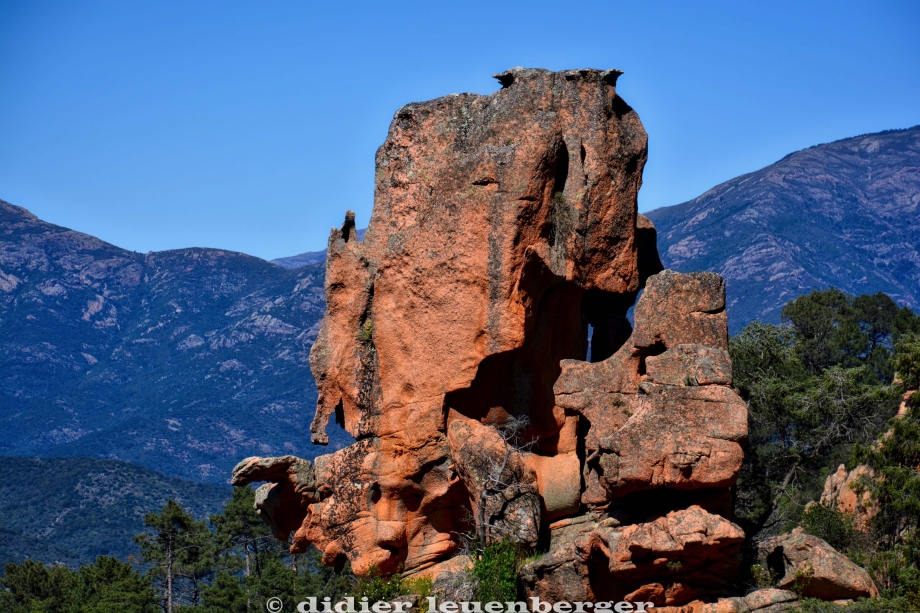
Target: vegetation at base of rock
[
  {"x": 377, "y": 587},
  {"x": 863, "y": 605},
  {"x": 762, "y": 577},
  {"x": 495, "y": 569}
]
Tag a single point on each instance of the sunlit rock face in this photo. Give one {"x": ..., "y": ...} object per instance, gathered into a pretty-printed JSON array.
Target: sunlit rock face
[{"x": 455, "y": 349}]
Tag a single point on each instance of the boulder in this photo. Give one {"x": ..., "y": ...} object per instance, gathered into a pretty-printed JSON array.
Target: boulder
[
  {"x": 504, "y": 496},
  {"x": 815, "y": 568},
  {"x": 770, "y": 600}
]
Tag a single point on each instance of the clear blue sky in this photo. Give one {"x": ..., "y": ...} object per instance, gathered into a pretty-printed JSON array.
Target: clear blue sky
[{"x": 252, "y": 126}]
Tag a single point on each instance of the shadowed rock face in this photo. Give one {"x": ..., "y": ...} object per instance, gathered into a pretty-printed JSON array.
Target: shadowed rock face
[{"x": 454, "y": 349}]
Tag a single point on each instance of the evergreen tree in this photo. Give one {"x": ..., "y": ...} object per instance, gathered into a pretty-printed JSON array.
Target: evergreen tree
[
  {"x": 225, "y": 595},
  {"x": 173, "y": 544},
  {"x": 240, "y": 533},
  {"x": 112, "y": 586},
  {"x": 895, "y": 487},
  {"x": 800, "y": 424},
  {"x": 30, "y": 587}
]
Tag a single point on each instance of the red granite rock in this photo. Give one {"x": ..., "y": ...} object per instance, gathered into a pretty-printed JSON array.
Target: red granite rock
[
  {"x": 454, "y": 349},
  {"x": 818, "y": 569}
]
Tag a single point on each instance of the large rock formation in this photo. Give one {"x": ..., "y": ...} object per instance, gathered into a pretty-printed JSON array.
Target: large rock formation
[{"x": 455, "y": 349}]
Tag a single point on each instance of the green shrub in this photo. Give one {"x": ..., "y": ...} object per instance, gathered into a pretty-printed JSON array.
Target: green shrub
[
  {"x": 495, "y": 570},
  {"x": 907, "y": 360},
  {"x": 762, "y": 577},
  {"x": 379, "y": 588},
  {"x": 421, "y": 587},
  {"x": 830, "y": 525},
  {"x": 366, "y": 331}
]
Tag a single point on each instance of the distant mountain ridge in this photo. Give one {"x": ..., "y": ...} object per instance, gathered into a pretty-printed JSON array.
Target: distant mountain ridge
[
  {"x": 184, "y": 361},
  {"x": 310, "y": 257},
  {"x": 70, "y": 510},
  {"x": 842, "y": 214}
]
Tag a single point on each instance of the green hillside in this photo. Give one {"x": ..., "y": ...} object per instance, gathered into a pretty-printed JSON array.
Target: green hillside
[{"x": 70, "y": 510}]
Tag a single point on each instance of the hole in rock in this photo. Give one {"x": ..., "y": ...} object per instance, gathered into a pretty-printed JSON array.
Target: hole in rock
[
  {"x": 631, "y": 312},
  {"x": 608, "y": 325},
  {"x": 776, "y": 562},
  {"x": 562, "y": 168},
  {"x": 520, "y": 382},
  {"x": 657, "y": 349}
]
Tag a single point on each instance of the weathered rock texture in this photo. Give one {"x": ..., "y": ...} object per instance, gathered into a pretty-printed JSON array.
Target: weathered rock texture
[
  {"x": 846, "y": 492},
  {"x": 455, "y": 349},
  {"x": 819, "y": 570}
]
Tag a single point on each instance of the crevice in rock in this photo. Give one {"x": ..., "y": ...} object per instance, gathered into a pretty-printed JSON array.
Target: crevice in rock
[
  {"x": 561, "y": 174},
  {"x": 645, "y": 506},
  {"x": 562, "y": 213},
  {"x": 520, "y": 382}
]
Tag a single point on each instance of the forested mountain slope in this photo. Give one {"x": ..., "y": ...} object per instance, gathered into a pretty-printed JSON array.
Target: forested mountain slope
[
  {"x": 844, "y": 214},
  {"x": 70, "y": 510},
  {"x": 183, "y": 361}
]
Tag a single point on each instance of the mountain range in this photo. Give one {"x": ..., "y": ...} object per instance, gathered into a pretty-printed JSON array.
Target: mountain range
[
  {"x": 842, "y": 214},
  {"x": 187, "y": 361},
  {"x": 184, "y": 361}
]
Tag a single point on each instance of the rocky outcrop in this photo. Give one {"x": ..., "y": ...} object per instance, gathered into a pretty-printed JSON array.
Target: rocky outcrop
[
  {"x": 847, "y": 491},
  {"x": 815, "y": 568},
  {"x": 455, "y": 349},
  {"x": 672, "y": 560},
  {"x": 842, "y": 492}
]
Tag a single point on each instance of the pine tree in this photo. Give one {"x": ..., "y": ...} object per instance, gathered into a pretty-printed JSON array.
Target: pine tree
[
  {"x": 239, "y": 530},
  {"x": 173, "y": 544},
  {"x": 30, "y": 587},
  {"x": 112, "y": 586},
  {"x": 225, "y": 595}
]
